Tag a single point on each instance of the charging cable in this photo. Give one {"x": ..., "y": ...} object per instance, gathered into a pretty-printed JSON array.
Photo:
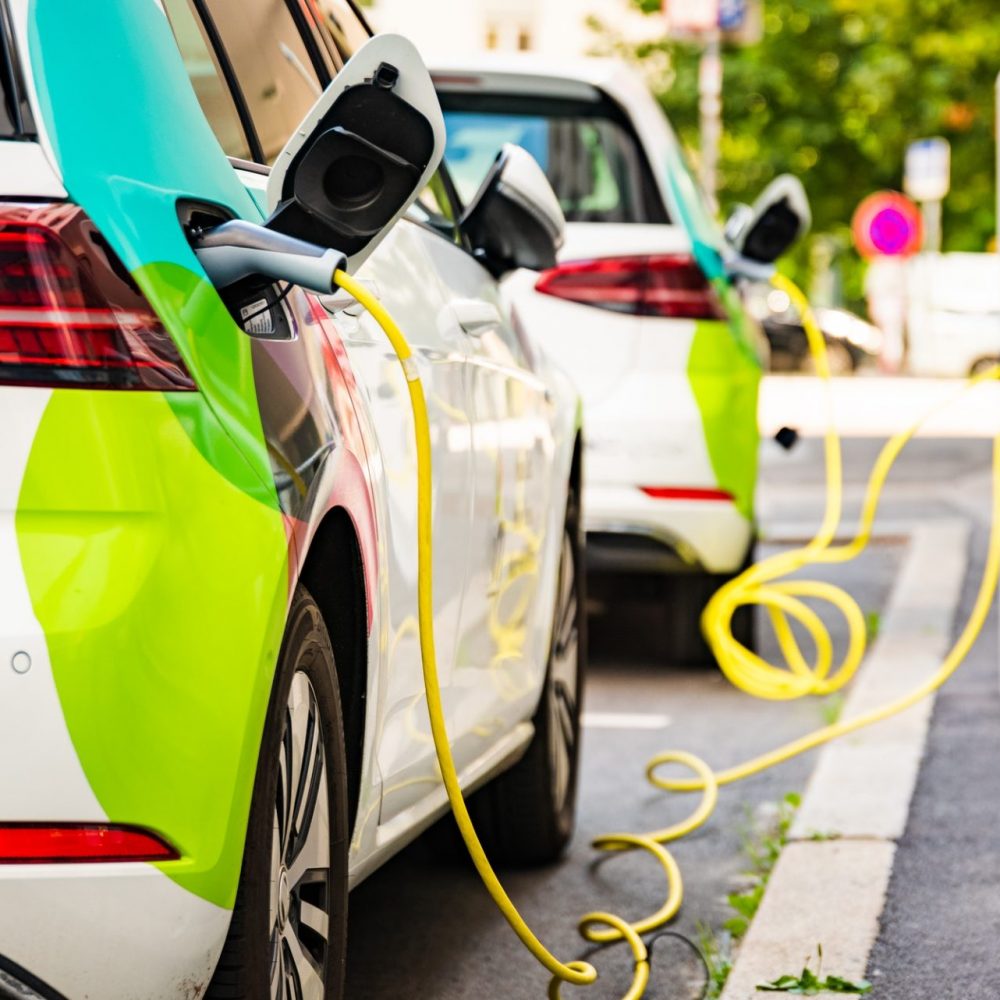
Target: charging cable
[{"x": 762, "y": 584}]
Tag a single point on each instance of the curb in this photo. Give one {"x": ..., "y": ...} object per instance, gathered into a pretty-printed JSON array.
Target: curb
[{"x": 831, "y": 891}]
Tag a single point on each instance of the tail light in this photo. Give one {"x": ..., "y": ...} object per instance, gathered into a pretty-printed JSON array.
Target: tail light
[
  {"x": 59, "y": 843},
  {"x": 685, "y": 493},
  {"x": 670, "y": 286},
  {"x": 70, "y": 313}
]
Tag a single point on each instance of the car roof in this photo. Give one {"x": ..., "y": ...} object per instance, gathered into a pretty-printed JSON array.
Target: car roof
[{"x": 523, "y": 72}]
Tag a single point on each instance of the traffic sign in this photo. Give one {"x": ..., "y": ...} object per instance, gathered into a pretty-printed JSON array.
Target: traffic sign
[
  {"x": 738, "y": 22},
  {"x": 927, "y": 176},
  {"x": 686, "y": 16},
  {"x": 887, "y": 224}
]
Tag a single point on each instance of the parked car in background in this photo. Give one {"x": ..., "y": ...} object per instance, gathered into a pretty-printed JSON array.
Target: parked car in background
[
  {"x": 852, "y": 343},
  {"x": 212, "y": 712},
  {"x": 640, "y": 311},
  {"x": 952, "y": 313}
]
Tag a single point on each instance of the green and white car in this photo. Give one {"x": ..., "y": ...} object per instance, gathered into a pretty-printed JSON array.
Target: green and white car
[
  {"x": 212, "y": 715},
  {"x": 641, "y": 311}
]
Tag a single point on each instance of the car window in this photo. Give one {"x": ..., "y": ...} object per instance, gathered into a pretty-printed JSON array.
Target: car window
[
  {"x": 210, "y": 86},
  {"x": 435, "y": 208},
  {"x": 271, "y": 62},
  {"x": 593, "y": 162},
  {"x": 348, "y": 30}
]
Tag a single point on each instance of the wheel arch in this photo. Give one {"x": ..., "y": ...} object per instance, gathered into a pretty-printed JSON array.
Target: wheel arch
[{"x": 333, "y": 573}]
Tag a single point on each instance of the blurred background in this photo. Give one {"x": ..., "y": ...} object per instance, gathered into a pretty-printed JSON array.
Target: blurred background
[{"x": 856, "y": 99}]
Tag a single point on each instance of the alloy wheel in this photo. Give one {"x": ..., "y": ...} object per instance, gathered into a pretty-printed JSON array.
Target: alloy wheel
[
  {"x": 564, "y": 676},
  {"x": 300, "y": 891}
]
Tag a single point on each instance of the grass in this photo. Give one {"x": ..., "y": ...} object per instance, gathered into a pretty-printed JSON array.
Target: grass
[
  {"x": 762, "y": 842},
  {"x": 717, "y": 950},
  {"x": 809, "y": 983}
]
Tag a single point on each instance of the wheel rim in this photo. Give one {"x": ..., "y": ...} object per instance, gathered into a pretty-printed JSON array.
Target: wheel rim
[
  {"x": 300, "y": 853},
  {"x": 564, "y": 678}
]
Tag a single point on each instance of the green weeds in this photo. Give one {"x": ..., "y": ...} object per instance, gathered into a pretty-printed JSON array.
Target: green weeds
[{"x": 809, "y": 983}]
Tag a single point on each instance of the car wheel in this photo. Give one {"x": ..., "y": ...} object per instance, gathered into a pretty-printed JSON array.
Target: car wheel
[
  {"x": 527, "y": 815},
  {"x": 288, "y": 933}
]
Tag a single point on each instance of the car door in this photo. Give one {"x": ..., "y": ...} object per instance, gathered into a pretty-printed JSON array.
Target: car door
[
  {"x": 502, "y": 646},
  {"x": 276, "y": 72}
]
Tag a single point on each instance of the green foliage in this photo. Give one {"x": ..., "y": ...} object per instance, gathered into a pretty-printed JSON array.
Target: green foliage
[
  {"x": 873, "y": 624},
  {"x": 831, "y": 708},
  {"x": 836, "y": 91},
  {"x": 716, "y": 949},
  {"x": 809, "y": 983},
  {"x": 762, "y": 845}
]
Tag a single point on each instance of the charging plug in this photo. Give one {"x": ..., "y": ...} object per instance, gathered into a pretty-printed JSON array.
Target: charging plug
[{"x": 236, "y": 250}]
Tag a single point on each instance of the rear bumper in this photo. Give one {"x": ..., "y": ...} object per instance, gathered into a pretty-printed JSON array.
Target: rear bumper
[
  {"x": 627, "y": 530},
  {"x": 114, "y": 931}
]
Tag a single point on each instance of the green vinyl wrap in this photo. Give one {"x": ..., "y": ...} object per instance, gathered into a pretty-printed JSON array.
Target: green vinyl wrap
[
  {"x": 148, "y": 523},
  {"x": 724, "y": 368},
  {"x": 724, "y": 372}
]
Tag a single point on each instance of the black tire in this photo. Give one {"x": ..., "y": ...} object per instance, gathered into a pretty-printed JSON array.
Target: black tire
[
  {"x": 687, "y": 596},
  {"x": 273, "y": 938},
  {"x": 527, "y": 815}
]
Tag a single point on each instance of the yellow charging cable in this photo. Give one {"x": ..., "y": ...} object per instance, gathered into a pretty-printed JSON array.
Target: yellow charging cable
[{"x": 758, "y": 585}]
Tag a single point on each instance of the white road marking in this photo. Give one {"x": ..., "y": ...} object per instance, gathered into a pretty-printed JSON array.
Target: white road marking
[{"x": 624, "y": 720}]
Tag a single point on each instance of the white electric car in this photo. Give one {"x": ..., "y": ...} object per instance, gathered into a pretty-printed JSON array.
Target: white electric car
[
  {"x": 640, "y": 311},
  {"x": 212, "y": 714}
]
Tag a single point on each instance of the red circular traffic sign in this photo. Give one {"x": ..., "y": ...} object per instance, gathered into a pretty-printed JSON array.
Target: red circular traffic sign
[{"x": 887, "y": 224}]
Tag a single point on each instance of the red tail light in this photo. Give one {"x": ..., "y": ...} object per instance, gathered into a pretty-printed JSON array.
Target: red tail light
[
  {"x": 685, "y": 493},
  {"x": 27, "y": 843},
  {"x": 671, "y": 286},
  {"x": 70, "y": 313}
]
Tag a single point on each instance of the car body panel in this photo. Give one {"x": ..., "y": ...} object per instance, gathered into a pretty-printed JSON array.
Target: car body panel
[{"x": 151, "y": 541}]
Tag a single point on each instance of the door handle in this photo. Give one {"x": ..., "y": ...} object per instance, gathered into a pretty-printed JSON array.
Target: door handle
[
  {"x": 341, "y": 301},
  {"x": 476, "y": 316}
]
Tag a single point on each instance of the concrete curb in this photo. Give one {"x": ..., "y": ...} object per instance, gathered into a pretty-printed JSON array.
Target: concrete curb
[{"x": 831, "y": 892}]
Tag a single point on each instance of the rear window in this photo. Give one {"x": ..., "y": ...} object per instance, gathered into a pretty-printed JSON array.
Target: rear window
[{"x": 589, "y": 153}]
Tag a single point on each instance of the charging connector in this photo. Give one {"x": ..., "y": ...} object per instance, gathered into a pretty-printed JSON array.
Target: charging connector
[{"x": 236, "y": 250}]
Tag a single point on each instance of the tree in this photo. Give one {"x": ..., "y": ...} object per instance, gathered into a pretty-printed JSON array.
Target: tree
[{"x": 835, "y": 92}]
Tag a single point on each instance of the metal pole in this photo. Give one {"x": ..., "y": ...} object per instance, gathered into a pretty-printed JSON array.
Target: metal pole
[
  {"x": 997, "y": 247},
  {"x": 710, "y": 107},
  {"x": 931, "y": 211}
]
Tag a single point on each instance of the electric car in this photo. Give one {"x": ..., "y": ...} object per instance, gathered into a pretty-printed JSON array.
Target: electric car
[
  {"x": 640, "y": 311},
  {"x": 212, "y": 717}
]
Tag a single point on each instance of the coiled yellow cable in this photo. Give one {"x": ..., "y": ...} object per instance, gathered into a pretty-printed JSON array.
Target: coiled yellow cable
[{"x": 758, "y": 585}]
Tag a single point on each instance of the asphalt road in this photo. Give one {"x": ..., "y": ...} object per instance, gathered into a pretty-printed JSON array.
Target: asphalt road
[
  {"x": 423, "y": 928},
  {"x": 941, "y": 922}
]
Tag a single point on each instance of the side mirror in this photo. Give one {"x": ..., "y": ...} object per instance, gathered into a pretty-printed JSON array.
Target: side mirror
[
  {"x": 364, "y": 152},
  {"x": 515, "y": 220},
  {"x": 761, "y": 234}
]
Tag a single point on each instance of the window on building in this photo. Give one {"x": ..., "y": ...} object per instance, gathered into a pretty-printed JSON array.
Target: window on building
[{"x": 524, "y": 38}]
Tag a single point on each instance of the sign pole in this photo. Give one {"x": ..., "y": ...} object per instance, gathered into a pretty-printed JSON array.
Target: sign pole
[
  {"x": 710, "y": 107},
  {"x": 998, "y": 164}
]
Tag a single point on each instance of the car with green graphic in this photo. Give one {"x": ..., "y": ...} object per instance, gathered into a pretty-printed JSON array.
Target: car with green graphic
[
  {"x": 642, "y": 312},
  {"x": 213, "y": 721}
]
